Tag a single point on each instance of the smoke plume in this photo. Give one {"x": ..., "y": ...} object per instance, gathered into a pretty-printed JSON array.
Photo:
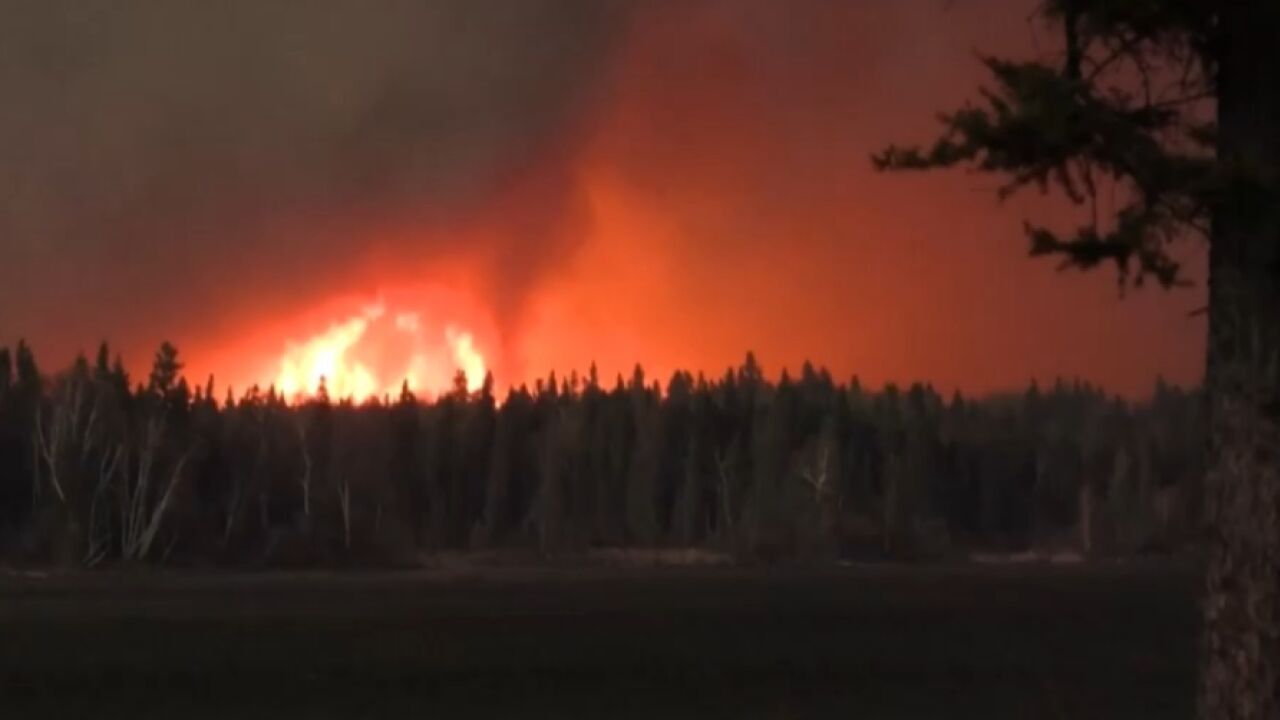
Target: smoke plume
[{"x": 180, "y": 167}]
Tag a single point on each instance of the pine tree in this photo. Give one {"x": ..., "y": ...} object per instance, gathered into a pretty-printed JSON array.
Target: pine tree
[
  {"x": 1175, "y": 105},
  {"x": 165, "y": 370}
]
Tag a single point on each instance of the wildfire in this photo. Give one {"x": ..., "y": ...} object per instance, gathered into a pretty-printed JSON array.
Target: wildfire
[{"x": 374, "y": 351}]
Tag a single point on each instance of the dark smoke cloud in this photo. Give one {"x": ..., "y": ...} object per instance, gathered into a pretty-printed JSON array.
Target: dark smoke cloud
[{"x": 172, "y": 163}]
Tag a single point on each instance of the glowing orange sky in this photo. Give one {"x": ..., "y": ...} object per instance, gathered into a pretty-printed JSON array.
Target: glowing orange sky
[
  {"x": 710, "y": 194},
  {"x": 734, "y": 208}
]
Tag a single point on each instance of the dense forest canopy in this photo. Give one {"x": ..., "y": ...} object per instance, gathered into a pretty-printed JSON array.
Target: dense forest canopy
[{"x": 96, "y": 467}]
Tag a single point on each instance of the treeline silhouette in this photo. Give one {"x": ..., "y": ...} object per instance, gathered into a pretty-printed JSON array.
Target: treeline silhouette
[{"x": 95, "y": 468}]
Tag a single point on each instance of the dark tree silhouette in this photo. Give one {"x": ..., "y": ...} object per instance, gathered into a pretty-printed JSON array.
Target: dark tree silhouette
[
  {"x": 1176, "y": 105},
  {"x": 95, "y": 472}
]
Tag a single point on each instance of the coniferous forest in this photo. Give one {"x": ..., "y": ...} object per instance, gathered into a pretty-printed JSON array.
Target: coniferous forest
[{"x": 98, "y": 467}]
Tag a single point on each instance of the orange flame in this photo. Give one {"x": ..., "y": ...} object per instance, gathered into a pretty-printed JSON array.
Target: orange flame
[{"x": 373, "y": 352}]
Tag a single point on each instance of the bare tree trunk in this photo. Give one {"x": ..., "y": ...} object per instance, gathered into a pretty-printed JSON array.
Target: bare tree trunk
[
  {"x": 889, "y": 514},
  {"x": 233, "y": 512},
  {"x": 142, "y": 509},
  {"x": 1241, "y": 654},
  {"x": 68, "y": 443},
  {"x": 99, "y": 537},
  {"x": 1240, "y": 674},
  {"x": 305, "y": 480},
  {"x": 1086, "y": 518},
  {"x": 243, "y": 490},
  {"x": 726, "y": 499},
  {"x": 344, "y": 504}
]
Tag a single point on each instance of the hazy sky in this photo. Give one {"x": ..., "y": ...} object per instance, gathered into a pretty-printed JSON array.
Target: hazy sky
[{"x": 670, "y": 182}]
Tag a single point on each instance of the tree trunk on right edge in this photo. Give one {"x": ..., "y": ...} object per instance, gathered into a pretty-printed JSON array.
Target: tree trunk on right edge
[{"x": 1240, "y": 668}]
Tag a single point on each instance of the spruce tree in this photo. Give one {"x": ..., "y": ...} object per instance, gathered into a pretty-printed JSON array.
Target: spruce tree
[{"x": 1175, "y": 106}]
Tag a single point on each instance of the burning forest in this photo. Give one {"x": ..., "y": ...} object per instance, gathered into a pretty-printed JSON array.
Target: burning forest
[{"x": 373, "y": 354}]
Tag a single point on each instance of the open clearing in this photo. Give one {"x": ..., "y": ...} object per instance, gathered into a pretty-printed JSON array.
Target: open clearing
[{"x": 961, "y": 641}]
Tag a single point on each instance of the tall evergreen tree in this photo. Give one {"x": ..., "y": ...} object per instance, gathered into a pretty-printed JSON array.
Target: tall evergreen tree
[{"x": 1176, "y": 105}]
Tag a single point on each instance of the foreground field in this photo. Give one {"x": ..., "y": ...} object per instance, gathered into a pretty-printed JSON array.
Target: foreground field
[{"x": 1015, "y": 642}]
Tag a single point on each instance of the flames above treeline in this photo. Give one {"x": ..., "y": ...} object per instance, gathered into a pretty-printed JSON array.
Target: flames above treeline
[
  {"x": 379, "y": 352},
  {"x": 427, "y": 338}
]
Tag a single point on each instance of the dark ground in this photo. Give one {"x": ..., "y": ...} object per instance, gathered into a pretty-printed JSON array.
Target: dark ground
[{"x": 1004, "y": 642}]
